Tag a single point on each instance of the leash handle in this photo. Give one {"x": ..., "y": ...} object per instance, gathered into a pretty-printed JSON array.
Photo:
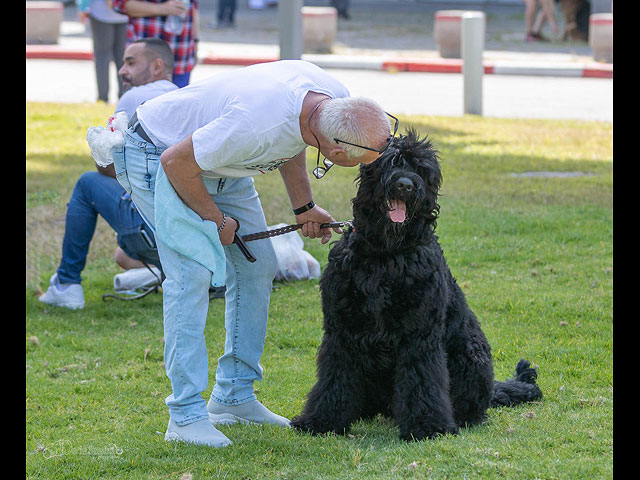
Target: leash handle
[{"x": 238, "y": 240}]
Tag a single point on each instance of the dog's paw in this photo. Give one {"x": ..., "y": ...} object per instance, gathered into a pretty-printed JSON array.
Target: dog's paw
[
  {"x": 306, "y": 424},
  {"x": 420, "y": 433},
  {"x": 313, "y": 426}
]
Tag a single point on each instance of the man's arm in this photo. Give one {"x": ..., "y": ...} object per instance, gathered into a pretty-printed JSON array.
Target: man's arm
[
  {"x": 196, "y": 31},
  {"x": 139, "y": 8},
  {"x": 294, "y": 175},
  {"x": 179, "y": 164},
  {"x": 196, "y": 23},
  {"x": 296, "y": 180}
]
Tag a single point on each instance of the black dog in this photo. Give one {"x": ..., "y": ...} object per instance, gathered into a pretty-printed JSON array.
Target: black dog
[{"x": 399, "y": 338}]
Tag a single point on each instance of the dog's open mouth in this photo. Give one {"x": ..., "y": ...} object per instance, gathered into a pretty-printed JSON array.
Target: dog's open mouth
[{"x": 397, "y": 211}]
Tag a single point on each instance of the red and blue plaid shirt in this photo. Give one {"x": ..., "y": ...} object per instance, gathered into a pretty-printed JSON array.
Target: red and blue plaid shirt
[{"x": 183, "y": 45}]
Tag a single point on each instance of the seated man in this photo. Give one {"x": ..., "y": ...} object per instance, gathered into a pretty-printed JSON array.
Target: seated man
[{"x": 146, "y": 73}]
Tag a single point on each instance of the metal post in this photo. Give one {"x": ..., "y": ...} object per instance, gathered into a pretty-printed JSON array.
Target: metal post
[
  {"x": 473, "y": 26},
  {"x": 290, "y": 20}
]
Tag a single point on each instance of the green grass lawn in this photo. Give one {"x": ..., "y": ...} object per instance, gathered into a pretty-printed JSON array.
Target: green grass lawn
[{"x": 534, "y": 256}]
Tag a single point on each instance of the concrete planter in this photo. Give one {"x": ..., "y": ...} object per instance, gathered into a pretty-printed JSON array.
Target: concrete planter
[
  {"x": 43, "y": 22},
  {"x": 447, "y": 29},
  {"x": 601, "y": 36},
  {"x": 319, "y": 28}
]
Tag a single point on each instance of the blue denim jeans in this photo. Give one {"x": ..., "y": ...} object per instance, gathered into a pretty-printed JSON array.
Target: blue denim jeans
[
  {"x": 94, "y": 194},
  {"x": 186, "y": 291}
]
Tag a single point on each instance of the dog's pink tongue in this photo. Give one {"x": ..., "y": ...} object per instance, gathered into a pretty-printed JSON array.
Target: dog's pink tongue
[{"x": 398, "y": 211}]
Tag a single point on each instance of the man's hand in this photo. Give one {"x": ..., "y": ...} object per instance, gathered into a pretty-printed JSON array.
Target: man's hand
[
  {"x": 296, "y": 180},
  {"x": 109, "y": 170},
  {"x": 174, "y": 7},
  {"x": 228, "y": 232},
  {"x": 83, "y": 17},
  {"x": 311, "y": 221}
]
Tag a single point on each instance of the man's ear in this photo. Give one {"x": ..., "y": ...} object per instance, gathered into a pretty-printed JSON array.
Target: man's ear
[
  {"x": 157, "y": 68},
  {"x": 339, "y": 151}
]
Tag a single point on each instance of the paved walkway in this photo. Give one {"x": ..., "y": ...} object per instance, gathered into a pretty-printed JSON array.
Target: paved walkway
[{"x": 375, "y": 38}]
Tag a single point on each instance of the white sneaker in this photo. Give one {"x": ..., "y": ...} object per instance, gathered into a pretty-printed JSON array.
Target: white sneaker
[
  {"x": 67, "y": 295},
  {"x": 251, "y": 413},
  {"x": 201, "y": 432}
]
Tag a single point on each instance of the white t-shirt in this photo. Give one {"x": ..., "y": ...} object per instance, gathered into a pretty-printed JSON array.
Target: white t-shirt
[
  {"x": 133, "y": 97},
  {"x": 245, "y": 121}
]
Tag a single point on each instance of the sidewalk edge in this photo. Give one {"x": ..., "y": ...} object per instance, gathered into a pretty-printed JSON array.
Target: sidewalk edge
[{"x": 436, "y": 65}]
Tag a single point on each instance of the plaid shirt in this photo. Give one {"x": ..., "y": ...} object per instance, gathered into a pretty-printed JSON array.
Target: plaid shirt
[{"x": 183, "y": 46}]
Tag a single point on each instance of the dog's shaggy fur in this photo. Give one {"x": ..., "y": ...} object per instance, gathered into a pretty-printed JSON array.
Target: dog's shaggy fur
[{"x": 399, "y": 338}]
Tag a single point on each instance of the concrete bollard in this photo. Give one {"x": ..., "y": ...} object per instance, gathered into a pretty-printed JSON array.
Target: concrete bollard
[
  {"x": 319, "y": 28},
  {"x": 43, "y": 22},
  {"x": 601, "y": 36},
  {"x": 473, "y": 33},
  {"x": 446, "y": 32},
  {"x": 601, "y": 6},
  {"x": 290, "y": 20}
]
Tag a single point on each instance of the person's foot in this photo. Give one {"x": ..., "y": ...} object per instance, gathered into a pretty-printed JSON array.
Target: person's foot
[
  {"x": 201, "y": 432},
  {"x": 250, "y": 413},
  {"x": 67, "y": 295},
  {"x": 536, "y": 37},
  {"x": 220, "y": 24}
]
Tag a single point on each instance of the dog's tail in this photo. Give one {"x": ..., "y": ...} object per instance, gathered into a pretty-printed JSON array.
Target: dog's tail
[{"x": 521, "y": 388}]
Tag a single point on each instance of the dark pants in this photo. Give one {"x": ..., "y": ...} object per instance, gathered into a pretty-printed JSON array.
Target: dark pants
[
  {"x": 226, "y": 10},
  {"x": 108, "y": 45}
]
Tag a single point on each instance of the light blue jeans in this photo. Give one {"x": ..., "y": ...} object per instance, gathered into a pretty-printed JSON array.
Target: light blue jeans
[{"x": 186, "y": 291}]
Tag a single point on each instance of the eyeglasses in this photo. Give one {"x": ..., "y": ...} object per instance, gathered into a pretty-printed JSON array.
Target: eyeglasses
[
  {"x": 320, "y": 172},
  {"x": 382, "y": 150}
]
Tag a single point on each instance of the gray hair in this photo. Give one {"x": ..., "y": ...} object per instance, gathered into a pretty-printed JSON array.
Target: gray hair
[{"x": 356, "y": 120}]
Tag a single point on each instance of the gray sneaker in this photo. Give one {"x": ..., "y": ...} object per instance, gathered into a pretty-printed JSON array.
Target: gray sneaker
[
  {"x": 251, "y": 413},
  {"x": 201, "y": 432},
  {"x": 69, "y": 295}
]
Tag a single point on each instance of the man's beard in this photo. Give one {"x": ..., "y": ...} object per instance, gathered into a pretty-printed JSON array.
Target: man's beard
[{"x": 128, "y": 82}]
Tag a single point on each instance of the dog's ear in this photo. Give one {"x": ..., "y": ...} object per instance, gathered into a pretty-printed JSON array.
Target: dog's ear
[
  {"x": 431, "y": 163},
  {"x": 421, "y": 150}
]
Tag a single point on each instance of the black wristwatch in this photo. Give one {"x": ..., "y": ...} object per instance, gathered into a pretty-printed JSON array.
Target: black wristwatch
[{"x": 304, "y": 208}]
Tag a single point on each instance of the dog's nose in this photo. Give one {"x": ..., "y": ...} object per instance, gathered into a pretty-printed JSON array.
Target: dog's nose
[{"x": 404, "y": 184}]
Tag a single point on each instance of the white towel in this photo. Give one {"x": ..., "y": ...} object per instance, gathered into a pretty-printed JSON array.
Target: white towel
[
  {"x": 182, "y": 229},
  {"x": 135, "y": 278}
]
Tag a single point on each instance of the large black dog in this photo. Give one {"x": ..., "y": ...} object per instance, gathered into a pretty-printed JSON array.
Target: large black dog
[{"x": 399, "y": 338}]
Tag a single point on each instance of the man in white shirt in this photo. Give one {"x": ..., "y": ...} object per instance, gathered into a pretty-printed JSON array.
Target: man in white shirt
[
  {"x": 147, "y": 68},
  {"x": 208, "y": 140}
]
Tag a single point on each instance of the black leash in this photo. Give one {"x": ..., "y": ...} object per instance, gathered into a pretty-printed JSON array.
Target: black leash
[{"x": 240, "y": 240}]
